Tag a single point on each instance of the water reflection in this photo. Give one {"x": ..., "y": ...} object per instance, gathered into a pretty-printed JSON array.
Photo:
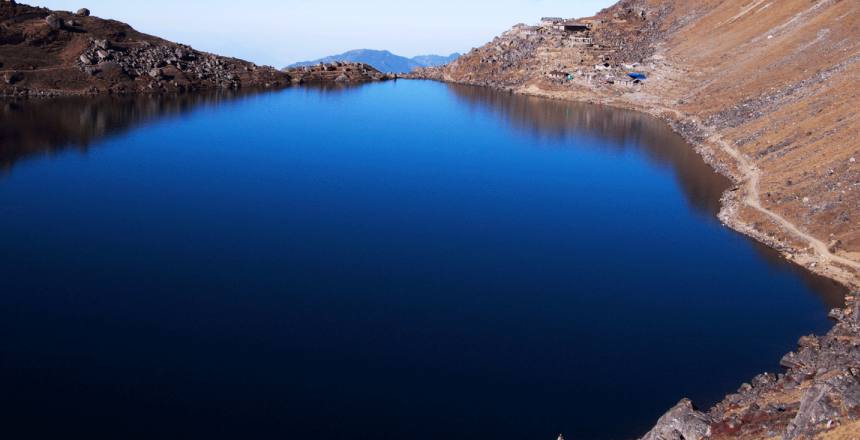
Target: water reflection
[
  {"x": 44, "y": 127},
  {"x": 624, "y": 129},
  {"x": 621, "y": 129}
]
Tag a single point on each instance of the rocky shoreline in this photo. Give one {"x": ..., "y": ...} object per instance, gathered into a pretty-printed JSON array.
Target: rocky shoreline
[{"x": 817, "y": 396}]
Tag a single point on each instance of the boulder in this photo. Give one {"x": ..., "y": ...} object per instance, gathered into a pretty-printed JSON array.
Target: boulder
[
  {"x": 102, "y": 44},
  {"x": 83, "y": 12},
  {"x": 111, "y": 67},
  {"x": 184, "y": 55},
  {"x": 682, "y": 422},
  {"x": 824, "y": 403},
  {"x": 86, "y": 60},
  {"x": 54, "y": 22},
  {"x": 342, "y": 78}
]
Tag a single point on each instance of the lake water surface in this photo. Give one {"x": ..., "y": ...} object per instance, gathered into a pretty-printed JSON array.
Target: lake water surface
[{"x": 403, "y": 260}]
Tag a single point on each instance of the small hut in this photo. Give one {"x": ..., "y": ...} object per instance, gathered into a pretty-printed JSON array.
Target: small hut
[{"x": 574, "y": 26}]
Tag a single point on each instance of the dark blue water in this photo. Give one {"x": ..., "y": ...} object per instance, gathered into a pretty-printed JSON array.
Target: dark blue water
[{"x": 395, "y": 261}]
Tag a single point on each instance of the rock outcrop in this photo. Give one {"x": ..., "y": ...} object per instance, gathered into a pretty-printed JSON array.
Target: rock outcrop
[
  {"x": 682, "y": 422},
  {"x": 817, "y": 395},
  {"x": 63, "y": 53},
  {"x": 337, "y": 72}
]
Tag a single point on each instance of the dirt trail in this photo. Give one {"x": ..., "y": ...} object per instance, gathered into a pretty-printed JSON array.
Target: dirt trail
[
  {"x": 752, "y": 197},
  {"x": 753, "y": 200}
]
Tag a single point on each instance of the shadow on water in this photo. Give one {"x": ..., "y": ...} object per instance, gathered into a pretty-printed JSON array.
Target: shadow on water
[
  {"x": 626, "y": 129},
  {"x": 36, "y": 128},
  {"x": 831, "y": 293},
  {"x": 622, "y": 129}
]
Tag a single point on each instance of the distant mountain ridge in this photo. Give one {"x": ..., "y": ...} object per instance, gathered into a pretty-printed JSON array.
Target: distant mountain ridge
[{"x": 384, "y": 60}]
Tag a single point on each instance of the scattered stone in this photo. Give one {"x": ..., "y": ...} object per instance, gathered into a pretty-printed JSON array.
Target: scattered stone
[
  {"x": 54, "y": 22},
  {"x": 338, "y": 72},
  {"x": 810, "y": 341}
]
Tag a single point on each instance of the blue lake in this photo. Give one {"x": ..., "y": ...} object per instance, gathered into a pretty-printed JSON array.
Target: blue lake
[{"x": 402, "y": 260}]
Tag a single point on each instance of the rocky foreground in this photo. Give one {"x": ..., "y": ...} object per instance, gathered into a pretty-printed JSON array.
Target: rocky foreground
[
  {"x": 817, "y": 396},
  {"x": 766, "y": 91},
  {"x": 50, "y": 53}
]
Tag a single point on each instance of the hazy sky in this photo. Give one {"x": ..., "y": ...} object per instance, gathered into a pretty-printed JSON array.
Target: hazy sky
[{"x": 281, "y": 32}]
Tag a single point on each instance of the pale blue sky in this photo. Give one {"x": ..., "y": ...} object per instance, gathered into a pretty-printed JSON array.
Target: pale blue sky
[{"x": 281, "y": 32}]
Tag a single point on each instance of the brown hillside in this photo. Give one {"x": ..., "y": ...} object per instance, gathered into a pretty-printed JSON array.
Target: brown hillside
[{"x": 46, "y": 53}]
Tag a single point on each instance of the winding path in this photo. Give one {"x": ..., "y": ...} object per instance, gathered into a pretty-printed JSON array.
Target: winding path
[{"x": 753, "y": 200}]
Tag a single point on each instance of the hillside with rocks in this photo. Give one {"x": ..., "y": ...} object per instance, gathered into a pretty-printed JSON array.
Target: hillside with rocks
[
  {"x": 50, "y": 53},
  {"x": 336, "y": 72},
  {"x": 766, "y": 92}
]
